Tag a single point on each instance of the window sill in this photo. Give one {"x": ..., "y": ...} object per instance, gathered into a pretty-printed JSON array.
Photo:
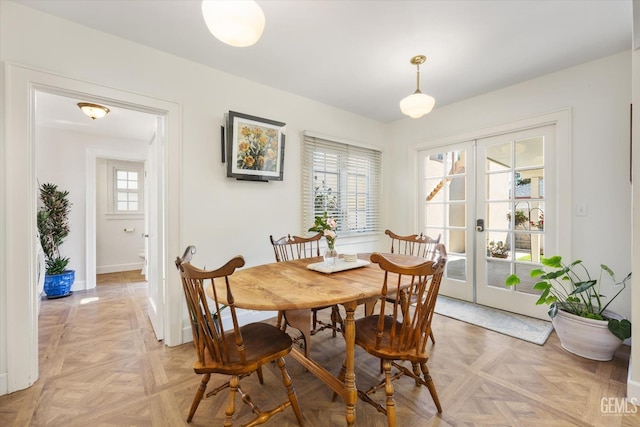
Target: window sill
[{"x": 118, "y": 216}]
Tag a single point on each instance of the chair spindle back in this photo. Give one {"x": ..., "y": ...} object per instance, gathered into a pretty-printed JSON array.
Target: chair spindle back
[
  {"x": 419, "y": 245},
  {"x": 295, "y": 247},
  {"x": 206, "y": 324},
  {"x": 411, "y": 317}
]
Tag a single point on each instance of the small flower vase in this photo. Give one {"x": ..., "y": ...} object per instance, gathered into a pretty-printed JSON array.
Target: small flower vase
[{"x": 330, "y": 256}]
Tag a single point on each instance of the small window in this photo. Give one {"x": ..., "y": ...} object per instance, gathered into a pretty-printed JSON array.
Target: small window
[{"x": 127, "y": 187}]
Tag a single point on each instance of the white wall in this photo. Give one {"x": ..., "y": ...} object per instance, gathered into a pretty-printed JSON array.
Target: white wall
[{"x": 598, "y": 94}]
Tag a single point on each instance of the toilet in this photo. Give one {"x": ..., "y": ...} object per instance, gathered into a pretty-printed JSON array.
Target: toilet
[{"x": 144, "y": 263}]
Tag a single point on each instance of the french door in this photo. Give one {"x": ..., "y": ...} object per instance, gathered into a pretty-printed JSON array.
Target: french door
[
  {"x": 445, "y": 208},
  {"x": 487, "y": 201}
]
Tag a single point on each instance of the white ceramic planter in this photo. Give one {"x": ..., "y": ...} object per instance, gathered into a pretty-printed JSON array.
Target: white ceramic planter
[{"x": 587, "y": 338}]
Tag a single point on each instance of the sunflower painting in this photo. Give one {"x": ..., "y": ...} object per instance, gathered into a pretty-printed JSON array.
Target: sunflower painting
[{"x": 256, "y": 148}]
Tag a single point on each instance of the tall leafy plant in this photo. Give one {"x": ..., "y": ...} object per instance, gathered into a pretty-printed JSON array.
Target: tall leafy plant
[{"x": 53, "y": 226}]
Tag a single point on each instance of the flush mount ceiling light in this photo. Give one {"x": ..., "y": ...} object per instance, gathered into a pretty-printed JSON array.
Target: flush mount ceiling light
[
  {"x": 418, "y": 104},
  {"x": 236, "y": 23},
  {"x": 94, "y": 111}
]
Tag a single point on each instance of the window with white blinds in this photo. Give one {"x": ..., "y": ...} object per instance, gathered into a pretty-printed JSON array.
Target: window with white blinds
[{"x": 343, "y": 180}]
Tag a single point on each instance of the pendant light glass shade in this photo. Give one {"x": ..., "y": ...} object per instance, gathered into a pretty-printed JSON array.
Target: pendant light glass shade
[
  {"x": 95, "y": 111},
  {"x": 236, "y": 23},
  {"x": 417, "y": 104}
]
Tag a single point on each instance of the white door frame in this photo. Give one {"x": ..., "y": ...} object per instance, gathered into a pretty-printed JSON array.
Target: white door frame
[
  {"x": 562, "y": 121},
  {"x": 19, "y": 223}
]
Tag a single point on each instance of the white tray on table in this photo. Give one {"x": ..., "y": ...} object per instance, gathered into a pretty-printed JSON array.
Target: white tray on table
[{"x": 340, "y": 265}]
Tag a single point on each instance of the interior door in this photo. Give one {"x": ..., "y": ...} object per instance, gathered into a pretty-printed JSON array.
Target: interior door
[
  {"x": 153, "y": 229},
  {"x": 446, "y": 195},
  {"x": 515, "y": 212}
]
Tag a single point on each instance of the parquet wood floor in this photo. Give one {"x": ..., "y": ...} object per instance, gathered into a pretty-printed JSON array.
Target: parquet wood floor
[{"x": 101, "y": 365}]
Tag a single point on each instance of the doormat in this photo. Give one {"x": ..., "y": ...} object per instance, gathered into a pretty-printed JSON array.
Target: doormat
[{"x": 516, "y": 325}]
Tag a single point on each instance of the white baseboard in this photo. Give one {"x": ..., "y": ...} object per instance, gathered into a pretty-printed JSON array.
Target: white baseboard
[
  {"x": 79, "y": 285},
  {"x": 244, "y": 317},
  {"x": 4, "y": 389},
  {"x": 633, "y": 388},
  {"x": 119, "y": 267}
]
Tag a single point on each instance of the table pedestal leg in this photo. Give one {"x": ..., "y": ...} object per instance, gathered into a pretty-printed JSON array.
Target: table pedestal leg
[{"x": 351, "y": 393}]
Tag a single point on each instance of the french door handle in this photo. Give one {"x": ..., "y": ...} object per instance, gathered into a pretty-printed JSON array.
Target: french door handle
[{"x": 480, "y": 225}]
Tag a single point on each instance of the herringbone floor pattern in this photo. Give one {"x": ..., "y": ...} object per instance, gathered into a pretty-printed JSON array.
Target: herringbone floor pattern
[{"x": 100, "y": 365}]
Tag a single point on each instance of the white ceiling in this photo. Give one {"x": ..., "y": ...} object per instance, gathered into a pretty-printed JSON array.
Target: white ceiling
[
  {"x": 61, "y": 112},
  {"x": 354, "y": 55}
]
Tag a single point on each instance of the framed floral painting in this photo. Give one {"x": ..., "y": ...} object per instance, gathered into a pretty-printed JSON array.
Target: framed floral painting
[{"x": 255, "y": 148}]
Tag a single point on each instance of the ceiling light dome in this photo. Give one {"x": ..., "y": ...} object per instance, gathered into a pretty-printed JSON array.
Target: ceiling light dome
[
  {"x": 236, "y": 23},
  {"x": 95, "y": 111},
  {"x": 418, "y": 104}
]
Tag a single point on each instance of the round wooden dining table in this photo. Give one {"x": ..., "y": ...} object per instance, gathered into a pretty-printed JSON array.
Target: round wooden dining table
[{"x": 292, "y": 285}]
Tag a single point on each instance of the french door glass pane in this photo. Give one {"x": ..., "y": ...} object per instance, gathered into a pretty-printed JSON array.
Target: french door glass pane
[
  {"x": 529, "y": 152},
  {"x": 498, "y": 186},
  {"x": 457, "y": 215},
  {"x": 497, "y": 215},
  {"x": 498, "y": 157}
]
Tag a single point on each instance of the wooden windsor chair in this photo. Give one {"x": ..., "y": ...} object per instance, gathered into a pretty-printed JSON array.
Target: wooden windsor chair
[
  {"x": 400, "y": 333},
  {"x": 306, "y": 321},
  {"x": 236, "y": 352},
  {"x": 419, "y": 245}
]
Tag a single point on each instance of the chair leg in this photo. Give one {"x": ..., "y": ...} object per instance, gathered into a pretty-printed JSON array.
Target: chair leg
[
  {"x": 259, "y": 372},
  {"x": 341, "y": 376},
  {"x": 388, "y": 389},
  {"x": 416, "y": 372},
  {"x": 198, "y": 397},
  {"x": 433, "y": 340},
  {"x": 279, "y": 323},
  {"x": 293, "y": 398},
  {"x": 231, "y": 408},
  {"x": 336, "y": 319},
  {"x": 431, "y": 386},
  {"x": 314, "y": 319}
]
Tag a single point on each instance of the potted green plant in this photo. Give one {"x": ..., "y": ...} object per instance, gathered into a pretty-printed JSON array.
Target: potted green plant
[
  {"x": 577, "y": 309},
  {"x": 498, "y": 250},
  {"x": 53, "y": 228}
]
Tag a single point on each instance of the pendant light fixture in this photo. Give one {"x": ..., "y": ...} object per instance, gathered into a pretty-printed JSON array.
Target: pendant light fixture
[
  {"x": 95, "y": 111},
  {"x": 418, "y": 104},
  {"x": 237, "y": 23}
]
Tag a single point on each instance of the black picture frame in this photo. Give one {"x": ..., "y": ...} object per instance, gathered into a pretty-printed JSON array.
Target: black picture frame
[{"x": 255, "y": 148}]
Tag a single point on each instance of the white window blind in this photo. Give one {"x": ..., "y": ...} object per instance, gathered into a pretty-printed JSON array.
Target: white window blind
[{"x": 343, "y": 180}]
